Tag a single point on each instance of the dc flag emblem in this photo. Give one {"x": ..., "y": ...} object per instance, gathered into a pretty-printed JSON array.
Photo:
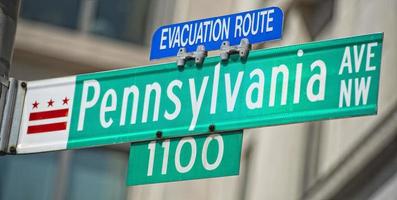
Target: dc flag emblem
[{"x": 48, "y": 116}]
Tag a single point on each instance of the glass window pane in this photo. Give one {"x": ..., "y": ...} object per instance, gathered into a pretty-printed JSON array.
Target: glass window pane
[
  {"x": 60, "y": 13},
  {"x": 28, "y": 176},
  {"x": 97, "y": 174},
  {"x": 122, "y": 19}
]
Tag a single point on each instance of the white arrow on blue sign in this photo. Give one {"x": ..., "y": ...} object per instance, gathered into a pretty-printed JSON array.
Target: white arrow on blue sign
[{"x": 256, "y": 25}]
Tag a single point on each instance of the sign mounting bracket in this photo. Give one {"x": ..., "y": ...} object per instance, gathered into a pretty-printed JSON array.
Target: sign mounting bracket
[
  {"x": 242, "y": 49},
  {"x": 12, "y": 113},
  {"x": 198, "y": 56}
]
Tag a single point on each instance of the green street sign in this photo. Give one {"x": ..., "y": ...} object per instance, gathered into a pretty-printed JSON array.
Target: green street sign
[
  {"x": 196, "y": 157},
  {"x": 314, "y": 81}
]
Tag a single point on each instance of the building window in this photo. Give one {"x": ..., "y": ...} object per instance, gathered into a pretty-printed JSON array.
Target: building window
[
  {"x": 124, "y": 20},
  {"x": 96, "y": 173},
  {"x": 60, "y": 13}
]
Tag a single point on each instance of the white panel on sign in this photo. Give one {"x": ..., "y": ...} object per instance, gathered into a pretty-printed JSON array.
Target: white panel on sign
[{"x": 49, "y": 115}]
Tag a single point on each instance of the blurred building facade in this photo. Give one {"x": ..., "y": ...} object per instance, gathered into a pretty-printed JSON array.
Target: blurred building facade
[{"x": 353, "y": 158}]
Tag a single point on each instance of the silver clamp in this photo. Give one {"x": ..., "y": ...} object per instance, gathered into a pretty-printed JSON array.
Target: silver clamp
[
  {"x": 242, "y": 49},
  {"x": 198, "y": 56}
]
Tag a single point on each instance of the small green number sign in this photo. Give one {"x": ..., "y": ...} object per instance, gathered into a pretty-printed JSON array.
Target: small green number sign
[{"x": 196, "y": 157}]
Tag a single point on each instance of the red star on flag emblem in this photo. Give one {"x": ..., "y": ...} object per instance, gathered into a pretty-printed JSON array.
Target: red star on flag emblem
[
  {"x": 50, "y": 103},
  {"x": 65, "y": 101},
  {"x": 35, "y": 104}
]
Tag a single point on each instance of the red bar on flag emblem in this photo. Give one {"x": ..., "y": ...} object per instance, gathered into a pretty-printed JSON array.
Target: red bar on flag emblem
[{"x": 50, "y": 121}]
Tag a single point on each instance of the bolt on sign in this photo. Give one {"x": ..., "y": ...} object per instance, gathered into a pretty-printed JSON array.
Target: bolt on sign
[
  {"x": 314, "y": 81},
  {"x": 203, "y": 156}
]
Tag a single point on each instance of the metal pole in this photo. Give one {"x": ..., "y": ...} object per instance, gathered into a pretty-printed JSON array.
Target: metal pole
[
  {"x": 8, "y": 24},
  {"x": 9, "y": 10}
]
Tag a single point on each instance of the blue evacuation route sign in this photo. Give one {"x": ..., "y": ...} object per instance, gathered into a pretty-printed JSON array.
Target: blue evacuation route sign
[{"x": 256, "y": 25}]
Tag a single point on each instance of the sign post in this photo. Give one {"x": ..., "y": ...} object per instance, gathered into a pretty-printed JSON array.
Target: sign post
[
  {"x": 314, "y": 81},
  {"x": 8, "y": 25}
]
